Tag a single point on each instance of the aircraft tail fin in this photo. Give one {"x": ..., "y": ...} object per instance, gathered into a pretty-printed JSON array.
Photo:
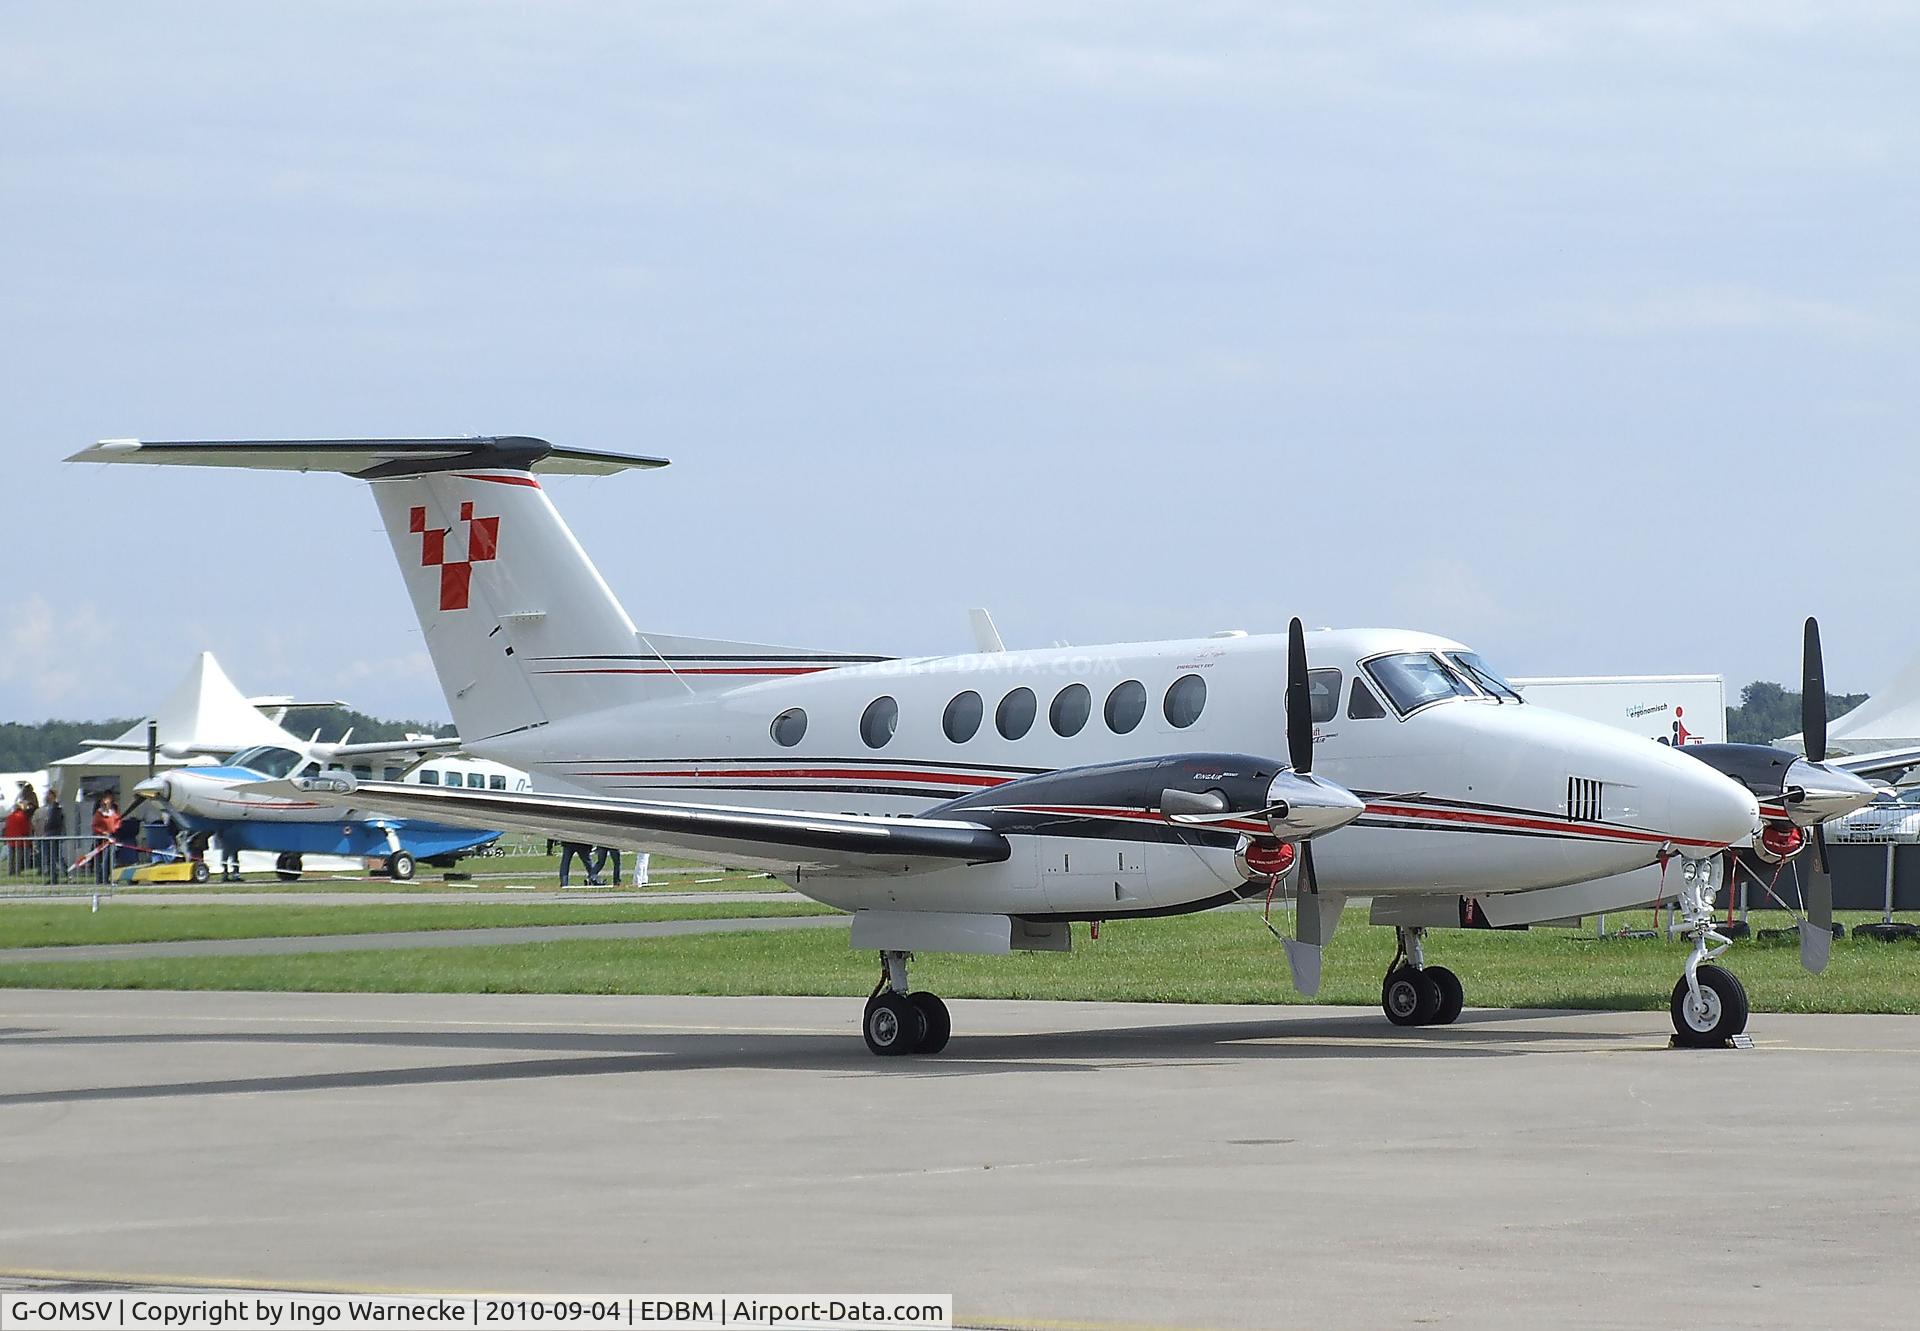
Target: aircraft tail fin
[{"x": 521, "y": 627}]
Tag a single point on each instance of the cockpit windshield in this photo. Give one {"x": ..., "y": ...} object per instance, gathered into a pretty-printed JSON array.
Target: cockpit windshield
[
  {"x": 1491, "y": 682},
  {"x": 1412, "y": 680},
  {"x": 267, "y": 760}
]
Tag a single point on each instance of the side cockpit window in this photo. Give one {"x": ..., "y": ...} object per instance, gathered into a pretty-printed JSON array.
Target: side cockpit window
[
  {"x": 1490, "y": 682},
  {"x": 1363, "y": 706},
  {"x": 1323, "y": 687},
  {"x": 267, "y": 760}
]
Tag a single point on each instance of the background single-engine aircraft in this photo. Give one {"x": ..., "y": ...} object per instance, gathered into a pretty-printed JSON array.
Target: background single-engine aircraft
[
  {"x": 984, "y": 803},
  {"x": 226, "y": 801}
]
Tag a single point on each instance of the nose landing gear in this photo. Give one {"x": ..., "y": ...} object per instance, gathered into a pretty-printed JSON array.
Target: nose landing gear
[
  {"x": 899, "y": 1022},
  {"x": 1709, "y": 1004},
  {"x": 1416, "y": 994}
]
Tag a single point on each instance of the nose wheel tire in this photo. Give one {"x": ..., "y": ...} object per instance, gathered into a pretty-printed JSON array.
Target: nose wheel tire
[
  {"x": 1409, "y": 997},
  {"x": 1720, "y": 1014},
  {"x": 939, "y": 1026},
  {"x": 893, "y": 1024},
  {"x": 1452, "y": 996},
  {"x": 287, "y": 867},
  {"x": 400, "y": 866}
]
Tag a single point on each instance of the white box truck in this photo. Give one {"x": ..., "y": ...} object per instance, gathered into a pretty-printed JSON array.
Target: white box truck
[{"x": 1673, "y": 709}]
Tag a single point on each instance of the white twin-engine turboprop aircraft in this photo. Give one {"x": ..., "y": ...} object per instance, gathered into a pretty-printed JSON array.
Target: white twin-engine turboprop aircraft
[{"x": 983, "y": 803}]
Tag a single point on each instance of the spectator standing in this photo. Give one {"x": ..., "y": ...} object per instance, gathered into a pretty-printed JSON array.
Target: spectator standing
[
  {"x": 106, "y": 821},
  {"x": 599, "y": 863},
  {"x": 641, "y": 860},
  {"x": 19, "y": 827},
  {"x": 49, "y": 826},
  {"x": 569, "y": 851}
]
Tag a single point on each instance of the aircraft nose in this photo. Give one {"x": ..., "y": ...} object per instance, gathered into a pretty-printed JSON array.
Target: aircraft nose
[
  {"x": 1711, "y": 811},
  {"x": 1826, "y": 792}
]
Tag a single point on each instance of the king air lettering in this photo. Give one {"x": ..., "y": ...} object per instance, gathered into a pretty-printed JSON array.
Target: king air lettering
[{"x": 482, "y": 542}]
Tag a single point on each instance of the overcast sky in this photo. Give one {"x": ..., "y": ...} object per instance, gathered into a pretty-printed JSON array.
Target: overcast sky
[{"x": 1586, "y": 334}]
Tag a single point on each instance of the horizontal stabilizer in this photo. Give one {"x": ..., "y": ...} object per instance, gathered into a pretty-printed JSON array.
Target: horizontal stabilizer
[{"x": 371, "y": 459}]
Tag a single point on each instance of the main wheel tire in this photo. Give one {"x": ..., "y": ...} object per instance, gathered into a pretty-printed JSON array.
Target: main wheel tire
[
  {"x": 400, "y": 866},
  {"x": 1722, "y": 1014},
  {"x": 893, "y": 1025},
  {"x": 287, "y": 867},
  {"x": 938, "y": 1023},
  {"x": 1408, "y": 997},
  {"x": 1453, "y": 996},
  {"x": 200, "y": 873}
]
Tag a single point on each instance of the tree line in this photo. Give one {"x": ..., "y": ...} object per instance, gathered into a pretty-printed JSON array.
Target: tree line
[
  {"x": 1768, "y": 711},
  {"x": 28, "y": 746}
]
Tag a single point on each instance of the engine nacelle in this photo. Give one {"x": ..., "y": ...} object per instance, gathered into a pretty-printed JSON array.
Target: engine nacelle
[{"x": 1779, "y": 841}]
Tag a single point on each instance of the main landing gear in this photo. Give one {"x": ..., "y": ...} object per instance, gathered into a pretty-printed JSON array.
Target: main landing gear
[
  {"x": 899, "y": 1022},
  {"x": 1416, "y": 994},
  {"x": 1709, "y": 1004},
  {"x": 288, "y": 867}
]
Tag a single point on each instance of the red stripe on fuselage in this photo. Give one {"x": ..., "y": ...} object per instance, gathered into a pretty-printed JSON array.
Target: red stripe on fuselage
[
  {"x": 1500, "y": 820},
  {"x": 690, "y": 670},
  {"x": 825, "y": 774}
]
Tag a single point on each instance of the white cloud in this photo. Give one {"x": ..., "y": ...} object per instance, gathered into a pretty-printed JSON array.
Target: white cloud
[{"x": 55, "y": 658}]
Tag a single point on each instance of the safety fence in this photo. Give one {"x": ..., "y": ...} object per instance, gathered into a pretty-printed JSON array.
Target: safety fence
[
  {"x": 39, "y": 866},
  {"x": 71, "y": 865}
]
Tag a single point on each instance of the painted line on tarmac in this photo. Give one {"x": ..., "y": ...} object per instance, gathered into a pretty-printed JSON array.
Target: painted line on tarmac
[
  {"x": 447, "y": 1022},
  {"x": 153, "y": 1280}
]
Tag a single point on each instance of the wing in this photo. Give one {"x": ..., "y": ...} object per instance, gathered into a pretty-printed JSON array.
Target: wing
[
  {"x": 386, "y": 748},
  {"x": 1894, "y": 761},
  {"x": 771, "y": 840}
]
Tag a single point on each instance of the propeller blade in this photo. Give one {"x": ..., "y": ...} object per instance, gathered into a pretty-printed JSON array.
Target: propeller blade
[
  {"x": 1813, "y": 695},
  {"x": 1315, "y": 918},
  {"x": 1816, "y": 931},
  {"x": 1299, "y": 701}
]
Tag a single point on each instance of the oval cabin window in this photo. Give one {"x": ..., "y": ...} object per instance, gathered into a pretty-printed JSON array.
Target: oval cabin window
[
  {"x": 1014, "y": 717},
  {"x": 879, "y": 721},
  {"x": 1186, "y": 699},
  {"x": 962, "y": 719},
  {"x": 789, "y": 728}
]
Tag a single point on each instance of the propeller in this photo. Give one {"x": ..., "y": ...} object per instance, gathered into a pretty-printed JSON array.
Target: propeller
[
  {"x": 1315, "y": 916},
  {"x": 1816, "y": 931},
  {"x": 1813, "y": 695},
  {"x": 1299, "y": 702}
]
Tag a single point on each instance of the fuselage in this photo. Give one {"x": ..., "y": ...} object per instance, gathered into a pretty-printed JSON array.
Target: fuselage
[{"x": 1467, "y": 788}]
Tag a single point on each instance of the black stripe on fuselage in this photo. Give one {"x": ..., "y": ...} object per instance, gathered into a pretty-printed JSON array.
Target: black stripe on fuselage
[
  {"x": 792, "y": 760},
  {"x": 1227, "y": 898}
]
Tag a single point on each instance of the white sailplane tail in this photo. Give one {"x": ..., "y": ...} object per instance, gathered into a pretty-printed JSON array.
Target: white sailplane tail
[{"x": 521, "y": 627}]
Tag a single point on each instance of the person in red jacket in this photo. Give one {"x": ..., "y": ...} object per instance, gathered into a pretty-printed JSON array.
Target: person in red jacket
[
  {"x": 19, "y": 827},
  {"x": 106, "y": 820}
]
